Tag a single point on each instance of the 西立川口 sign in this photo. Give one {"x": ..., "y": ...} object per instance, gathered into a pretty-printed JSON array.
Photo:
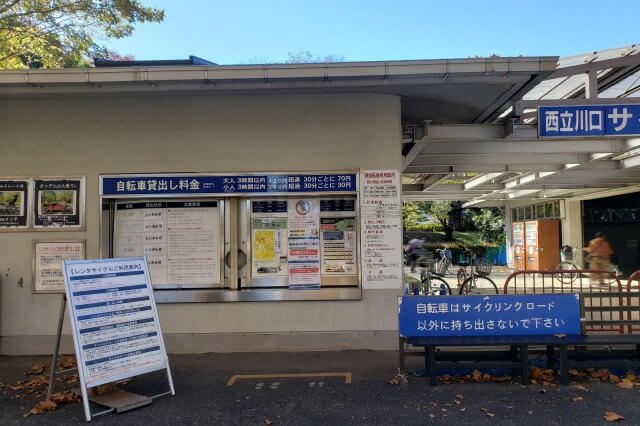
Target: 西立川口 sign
[{"x": 588, "y": 120}]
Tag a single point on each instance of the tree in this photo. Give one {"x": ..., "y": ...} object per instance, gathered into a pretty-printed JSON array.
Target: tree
[
  {"x": 306, "y": 57},
  {"x": 490, "y": 223},
  {"x": 443, "y": 211},
  {"x": 64, "y": 33},
  {"x": 414, "y": 212}
]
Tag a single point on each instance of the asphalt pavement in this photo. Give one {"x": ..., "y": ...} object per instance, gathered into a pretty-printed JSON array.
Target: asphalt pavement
[{"x": 203, "y": 395}]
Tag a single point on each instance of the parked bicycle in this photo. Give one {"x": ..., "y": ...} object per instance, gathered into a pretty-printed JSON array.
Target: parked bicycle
[
  {"x": 443, "y": 258},
  {"x": 473, "y": 277},
  {"x": 431, "y": 281}
]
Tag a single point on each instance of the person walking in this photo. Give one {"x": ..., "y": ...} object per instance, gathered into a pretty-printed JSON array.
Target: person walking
[
  {"x": 600, "y": 252},
  {"x": 413, "y": 250}
]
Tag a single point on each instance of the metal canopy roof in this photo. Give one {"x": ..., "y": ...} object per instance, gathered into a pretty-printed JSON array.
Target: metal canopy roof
[{"x": 503, "y": 159}]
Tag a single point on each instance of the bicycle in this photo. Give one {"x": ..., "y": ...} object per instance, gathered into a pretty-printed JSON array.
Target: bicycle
[
  {"x": 432, "y": 276},
  {"x": 443, "y": 258},
  {"x": 567, "y": 265},
  {"x": 478, "y": 281}
]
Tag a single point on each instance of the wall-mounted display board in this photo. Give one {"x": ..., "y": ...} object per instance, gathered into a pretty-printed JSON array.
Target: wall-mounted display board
[
  {"x": 114, "y": 321},
  {"x": 14, "y": 207},
  {"x": 58, "y": 203},
  {"x": 381, "y": 228},
  {"x": 47, "y": 263},
  {"x": 180, "y": 239}
]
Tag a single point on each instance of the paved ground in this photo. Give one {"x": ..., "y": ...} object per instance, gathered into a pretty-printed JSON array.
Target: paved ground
[{"x": 202, "y": 396}]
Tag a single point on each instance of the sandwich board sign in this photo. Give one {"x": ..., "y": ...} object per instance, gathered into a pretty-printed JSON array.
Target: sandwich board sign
[{"x": 114, "y": 321}]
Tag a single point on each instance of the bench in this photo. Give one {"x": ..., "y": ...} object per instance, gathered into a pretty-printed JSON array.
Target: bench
[{"x": 505, "y": 326}]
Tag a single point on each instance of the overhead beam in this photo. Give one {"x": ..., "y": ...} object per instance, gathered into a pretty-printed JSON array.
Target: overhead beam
[
  {"x": 481, "y": 180},
  {"x": 484, "y": 168},
  {"x": 525, "y": 104},
  {"x": 588, "y": 146},
  {"x": 507, "y": 159}
]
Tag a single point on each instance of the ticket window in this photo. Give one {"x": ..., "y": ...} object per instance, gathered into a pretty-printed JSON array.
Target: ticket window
[
  {"x": 325, "y": 243},
  {"x": 181, "y": 239}
]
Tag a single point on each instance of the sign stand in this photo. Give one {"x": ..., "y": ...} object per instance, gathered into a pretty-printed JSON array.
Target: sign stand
[
  {"x": 118, "y": 400},
  {"x": 116, "y": 332}
]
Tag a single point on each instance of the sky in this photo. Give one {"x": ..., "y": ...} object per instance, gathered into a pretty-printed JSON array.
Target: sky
[{"x": 260, "y": 31}]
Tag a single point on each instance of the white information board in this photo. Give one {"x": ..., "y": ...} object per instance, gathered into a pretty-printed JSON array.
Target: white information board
[
  {"x": 381, "y": 228},
  {"x": 180, "y": 239},
  {"x": 47, "y": 263},
  {"x": 114, "y": 320}
]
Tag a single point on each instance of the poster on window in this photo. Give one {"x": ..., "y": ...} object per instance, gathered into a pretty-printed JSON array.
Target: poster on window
[
  {"x": 304, "y": 244},
  {"x": 58, "y": 203},
  {"x": 13, "y": 204},
  {"x": 269, "y": 246},
  {"x": 47, "y": 263}
]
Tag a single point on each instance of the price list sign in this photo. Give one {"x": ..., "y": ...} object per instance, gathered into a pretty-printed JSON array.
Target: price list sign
[{"x": 115, "y": 324}]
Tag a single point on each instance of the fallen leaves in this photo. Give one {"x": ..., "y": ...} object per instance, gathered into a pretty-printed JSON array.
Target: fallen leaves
[
  {"x": 42, "y": 407},
  {"x": 67, "y": 364},
  {"x": 611, "y": 416},
  {"x": 268, "y": 421},
  {"x": 490, "y": 414},
  {"x": 394, "y": 381},
  {"x": 625, "y": 384},
  {"x": 560, "y": 335},
  {"x": 579, "y": 387},
  {"x": 35, "y": 369},
  {"x": 542, "y": 374},
  {"x": 578, "y": 398}
]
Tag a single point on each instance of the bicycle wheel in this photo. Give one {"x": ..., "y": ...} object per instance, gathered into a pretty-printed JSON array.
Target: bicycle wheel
[
  {"x": 478, "y": 285},
  {"x": 439, "y": 287},
  {"x": 568, "y": 274},
  {"x": 462, "y": 275}
]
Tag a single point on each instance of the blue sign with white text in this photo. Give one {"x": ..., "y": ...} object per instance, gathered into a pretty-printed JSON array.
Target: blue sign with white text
[
  {"x": 589, "y": 120},
  {"x": 499, "y": 315},
  {"x": 226, "y": 184}
]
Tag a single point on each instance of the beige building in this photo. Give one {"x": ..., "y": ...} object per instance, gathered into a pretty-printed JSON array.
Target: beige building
[{"x": 113, "y": 125}]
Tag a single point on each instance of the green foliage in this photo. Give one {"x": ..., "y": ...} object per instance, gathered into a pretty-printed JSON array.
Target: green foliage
[
  {"x": 490, "y": 223},
  {"x": 64, "y": 33},
  {"x": 414, "y": 212},
  {"x": 428, "y": 227}
]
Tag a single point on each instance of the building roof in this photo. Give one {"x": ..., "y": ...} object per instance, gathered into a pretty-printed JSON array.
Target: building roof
[{"x": 449, "y": 91}]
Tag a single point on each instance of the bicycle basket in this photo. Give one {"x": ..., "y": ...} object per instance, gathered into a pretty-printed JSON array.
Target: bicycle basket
[
  {"x": 438, "y": 268},
  {"x": 482, "y": 267}
]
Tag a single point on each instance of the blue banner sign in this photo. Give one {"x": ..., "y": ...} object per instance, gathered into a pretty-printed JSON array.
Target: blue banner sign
[
  {"x": 499, "y": 315},
  {"x": 226, "y": 184},
  {"x": 589, "y": 120}
]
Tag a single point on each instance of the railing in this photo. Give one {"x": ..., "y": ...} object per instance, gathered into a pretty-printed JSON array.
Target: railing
[
  {"x": 607, "y": 308},
  {"x": 633, "y": 301}
]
